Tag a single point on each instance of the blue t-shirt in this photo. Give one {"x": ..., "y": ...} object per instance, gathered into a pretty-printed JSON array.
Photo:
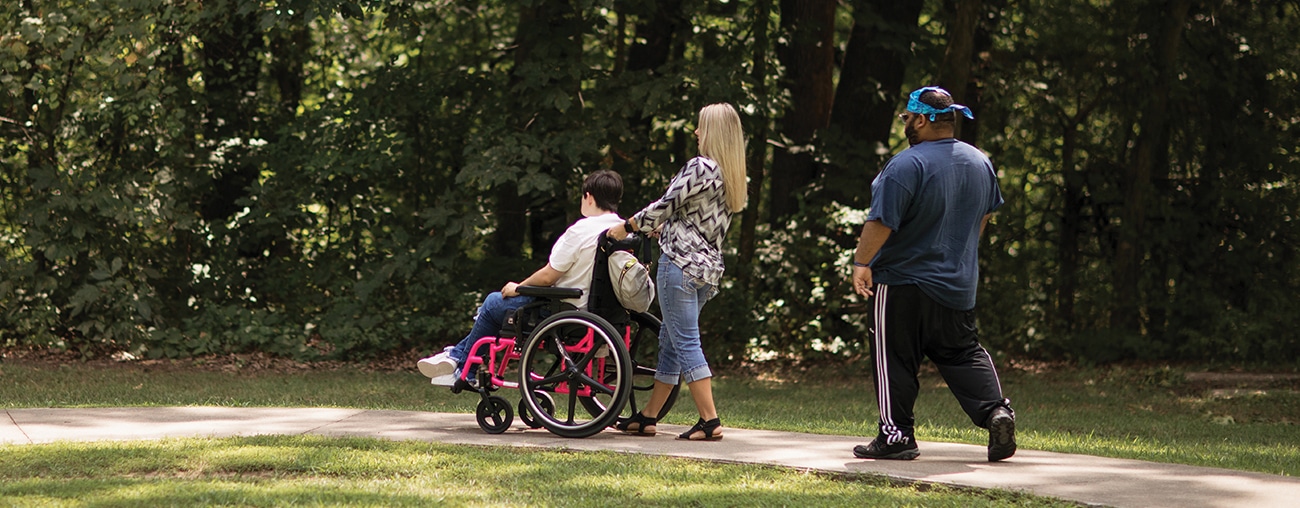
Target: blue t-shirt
[{"x": 934, "y": 197}]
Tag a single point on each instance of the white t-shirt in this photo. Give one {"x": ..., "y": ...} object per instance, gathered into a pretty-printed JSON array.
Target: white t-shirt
[{"x": 574, "y": 253}]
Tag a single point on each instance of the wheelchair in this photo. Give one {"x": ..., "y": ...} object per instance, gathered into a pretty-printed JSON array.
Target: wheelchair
[{"x": 576, "y": 370}]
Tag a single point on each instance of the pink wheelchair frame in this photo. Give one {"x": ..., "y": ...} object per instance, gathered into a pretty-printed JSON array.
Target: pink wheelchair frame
[{"x": 573, "y": 355}]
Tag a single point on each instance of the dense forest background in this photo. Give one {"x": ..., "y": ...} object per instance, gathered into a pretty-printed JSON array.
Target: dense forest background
[{"x": 346, "y": 178}]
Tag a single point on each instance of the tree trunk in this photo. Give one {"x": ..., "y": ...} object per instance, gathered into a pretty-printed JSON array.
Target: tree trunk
[
  {"x": 1073, "y": 183},
  {"x": 290, "y": 49},
  {"x": 1071, "y": 221},
  {"x": 869, "y": 91},
  {"x": 40, "y": 152},
  {"x": 955, "y": 72},
  {"x": 230, "y": 74},
  {"x": 512, "y": 222},
  {"x": 1151, "y": 144},
  {"x": 542, "y": 22},
  {"x": 757, "y": 138},
  {"x": 653, "y": 47},
  {"x": 665, "y": 20},
  {"x": 809, "y": 59}
]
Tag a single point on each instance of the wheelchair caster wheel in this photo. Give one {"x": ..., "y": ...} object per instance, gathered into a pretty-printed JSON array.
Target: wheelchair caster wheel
[
  {"x": 494, "y": 415},
  {"x": 544, "y": 400}
]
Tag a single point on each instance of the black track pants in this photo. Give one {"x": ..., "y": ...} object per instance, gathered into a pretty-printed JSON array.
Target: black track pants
[{"x": 906, "y": 326}]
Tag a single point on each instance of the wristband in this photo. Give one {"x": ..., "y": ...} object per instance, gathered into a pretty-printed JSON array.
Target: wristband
[
  {"x": 627, "y": 226},
  {"x": 855, "y": 263}
]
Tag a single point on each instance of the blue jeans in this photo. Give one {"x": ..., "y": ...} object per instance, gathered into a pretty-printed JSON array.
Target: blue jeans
[
  {"x": 487, "y": 323},
  {"x": 681, "y": 297}
]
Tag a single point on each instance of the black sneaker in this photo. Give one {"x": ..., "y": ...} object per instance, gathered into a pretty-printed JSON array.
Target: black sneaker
[
  {"x": 905, "y": 450},
  {"x": 1002, "y": 434}
]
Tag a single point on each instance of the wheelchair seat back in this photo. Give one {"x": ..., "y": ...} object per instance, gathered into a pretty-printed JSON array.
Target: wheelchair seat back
[{"x": 603, "y": 302}]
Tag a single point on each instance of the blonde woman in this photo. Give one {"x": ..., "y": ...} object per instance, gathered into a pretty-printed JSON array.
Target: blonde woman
[{"x": 692, "y": 218}]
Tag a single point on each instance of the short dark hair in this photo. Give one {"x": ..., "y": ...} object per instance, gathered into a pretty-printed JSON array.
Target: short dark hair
[
  {"x": 606, "y": 187},
  {"x": 938, "y": 100}
]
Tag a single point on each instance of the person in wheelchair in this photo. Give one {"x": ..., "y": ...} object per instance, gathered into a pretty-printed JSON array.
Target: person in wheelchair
[{"x": 570, "y": 265}]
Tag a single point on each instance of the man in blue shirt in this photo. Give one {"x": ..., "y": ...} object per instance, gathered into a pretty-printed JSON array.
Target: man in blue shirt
[{"x": 917, "y": 265}]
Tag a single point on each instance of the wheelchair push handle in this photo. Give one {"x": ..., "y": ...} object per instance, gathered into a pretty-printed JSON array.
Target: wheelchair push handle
[
  {"x": 549, "y": 292},
  {"x": 635, "y": 243}
]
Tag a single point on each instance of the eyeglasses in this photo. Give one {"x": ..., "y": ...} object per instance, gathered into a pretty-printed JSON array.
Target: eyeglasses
[{"x": 904, "y": 117}]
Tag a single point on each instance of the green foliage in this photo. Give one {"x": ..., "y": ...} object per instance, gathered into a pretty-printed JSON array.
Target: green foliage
[
  {"x": 1219, "y": 247},
  {"x": 795, "y": 300},
  {"x": 345, "y": 177}
]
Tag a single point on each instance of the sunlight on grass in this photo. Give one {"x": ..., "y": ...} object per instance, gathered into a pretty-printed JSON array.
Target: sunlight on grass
[{"x": 270, "y": 470}]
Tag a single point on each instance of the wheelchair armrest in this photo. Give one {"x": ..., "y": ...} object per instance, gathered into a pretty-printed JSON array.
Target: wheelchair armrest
[{"x": 549, "y": 292}]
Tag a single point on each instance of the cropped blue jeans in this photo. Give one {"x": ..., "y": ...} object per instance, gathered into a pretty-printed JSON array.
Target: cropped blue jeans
[{"x": 681, "y": 297}]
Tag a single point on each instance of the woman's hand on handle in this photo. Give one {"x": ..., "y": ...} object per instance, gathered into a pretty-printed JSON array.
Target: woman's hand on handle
[{"x": 618, "y": 233}]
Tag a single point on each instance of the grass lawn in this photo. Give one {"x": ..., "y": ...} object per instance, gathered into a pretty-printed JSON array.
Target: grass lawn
[
  {"x": 1150, "y": 413},
  {"x": 1145, "y": 413},
  {"x": 313, "y": 470}
]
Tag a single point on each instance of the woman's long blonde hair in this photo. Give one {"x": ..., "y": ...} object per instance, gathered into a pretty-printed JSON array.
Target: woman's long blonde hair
[{"x": 723, "y": 140}]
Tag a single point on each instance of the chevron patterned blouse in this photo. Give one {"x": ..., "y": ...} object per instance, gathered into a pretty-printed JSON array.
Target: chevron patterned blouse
[{"x": 695, "y": 219}]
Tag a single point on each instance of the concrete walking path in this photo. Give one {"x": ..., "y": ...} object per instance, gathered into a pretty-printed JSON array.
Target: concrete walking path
[{"x": 1084, "y": 479}]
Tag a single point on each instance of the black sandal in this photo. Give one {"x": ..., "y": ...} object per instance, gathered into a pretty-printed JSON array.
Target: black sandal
[
  {"x": 708, "y": 428},
  {"x": 645, "y": 425}
]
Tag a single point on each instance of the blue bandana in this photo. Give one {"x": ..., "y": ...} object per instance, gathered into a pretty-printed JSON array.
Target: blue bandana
[{"x": 915, "y": 105}]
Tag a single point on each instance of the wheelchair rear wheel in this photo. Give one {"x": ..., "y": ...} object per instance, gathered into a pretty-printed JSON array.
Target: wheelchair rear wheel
[
  {"x": 645, "y": 356},
  {"x": 544, "y": 400},
  {"x": 572, "y": 357},
  {"x": 644, "y": 353}
]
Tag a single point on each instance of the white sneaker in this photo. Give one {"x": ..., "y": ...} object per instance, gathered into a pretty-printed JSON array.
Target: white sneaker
[
  {"x": 440, "y": 364},
  {"x": 443, "y": 380}
]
